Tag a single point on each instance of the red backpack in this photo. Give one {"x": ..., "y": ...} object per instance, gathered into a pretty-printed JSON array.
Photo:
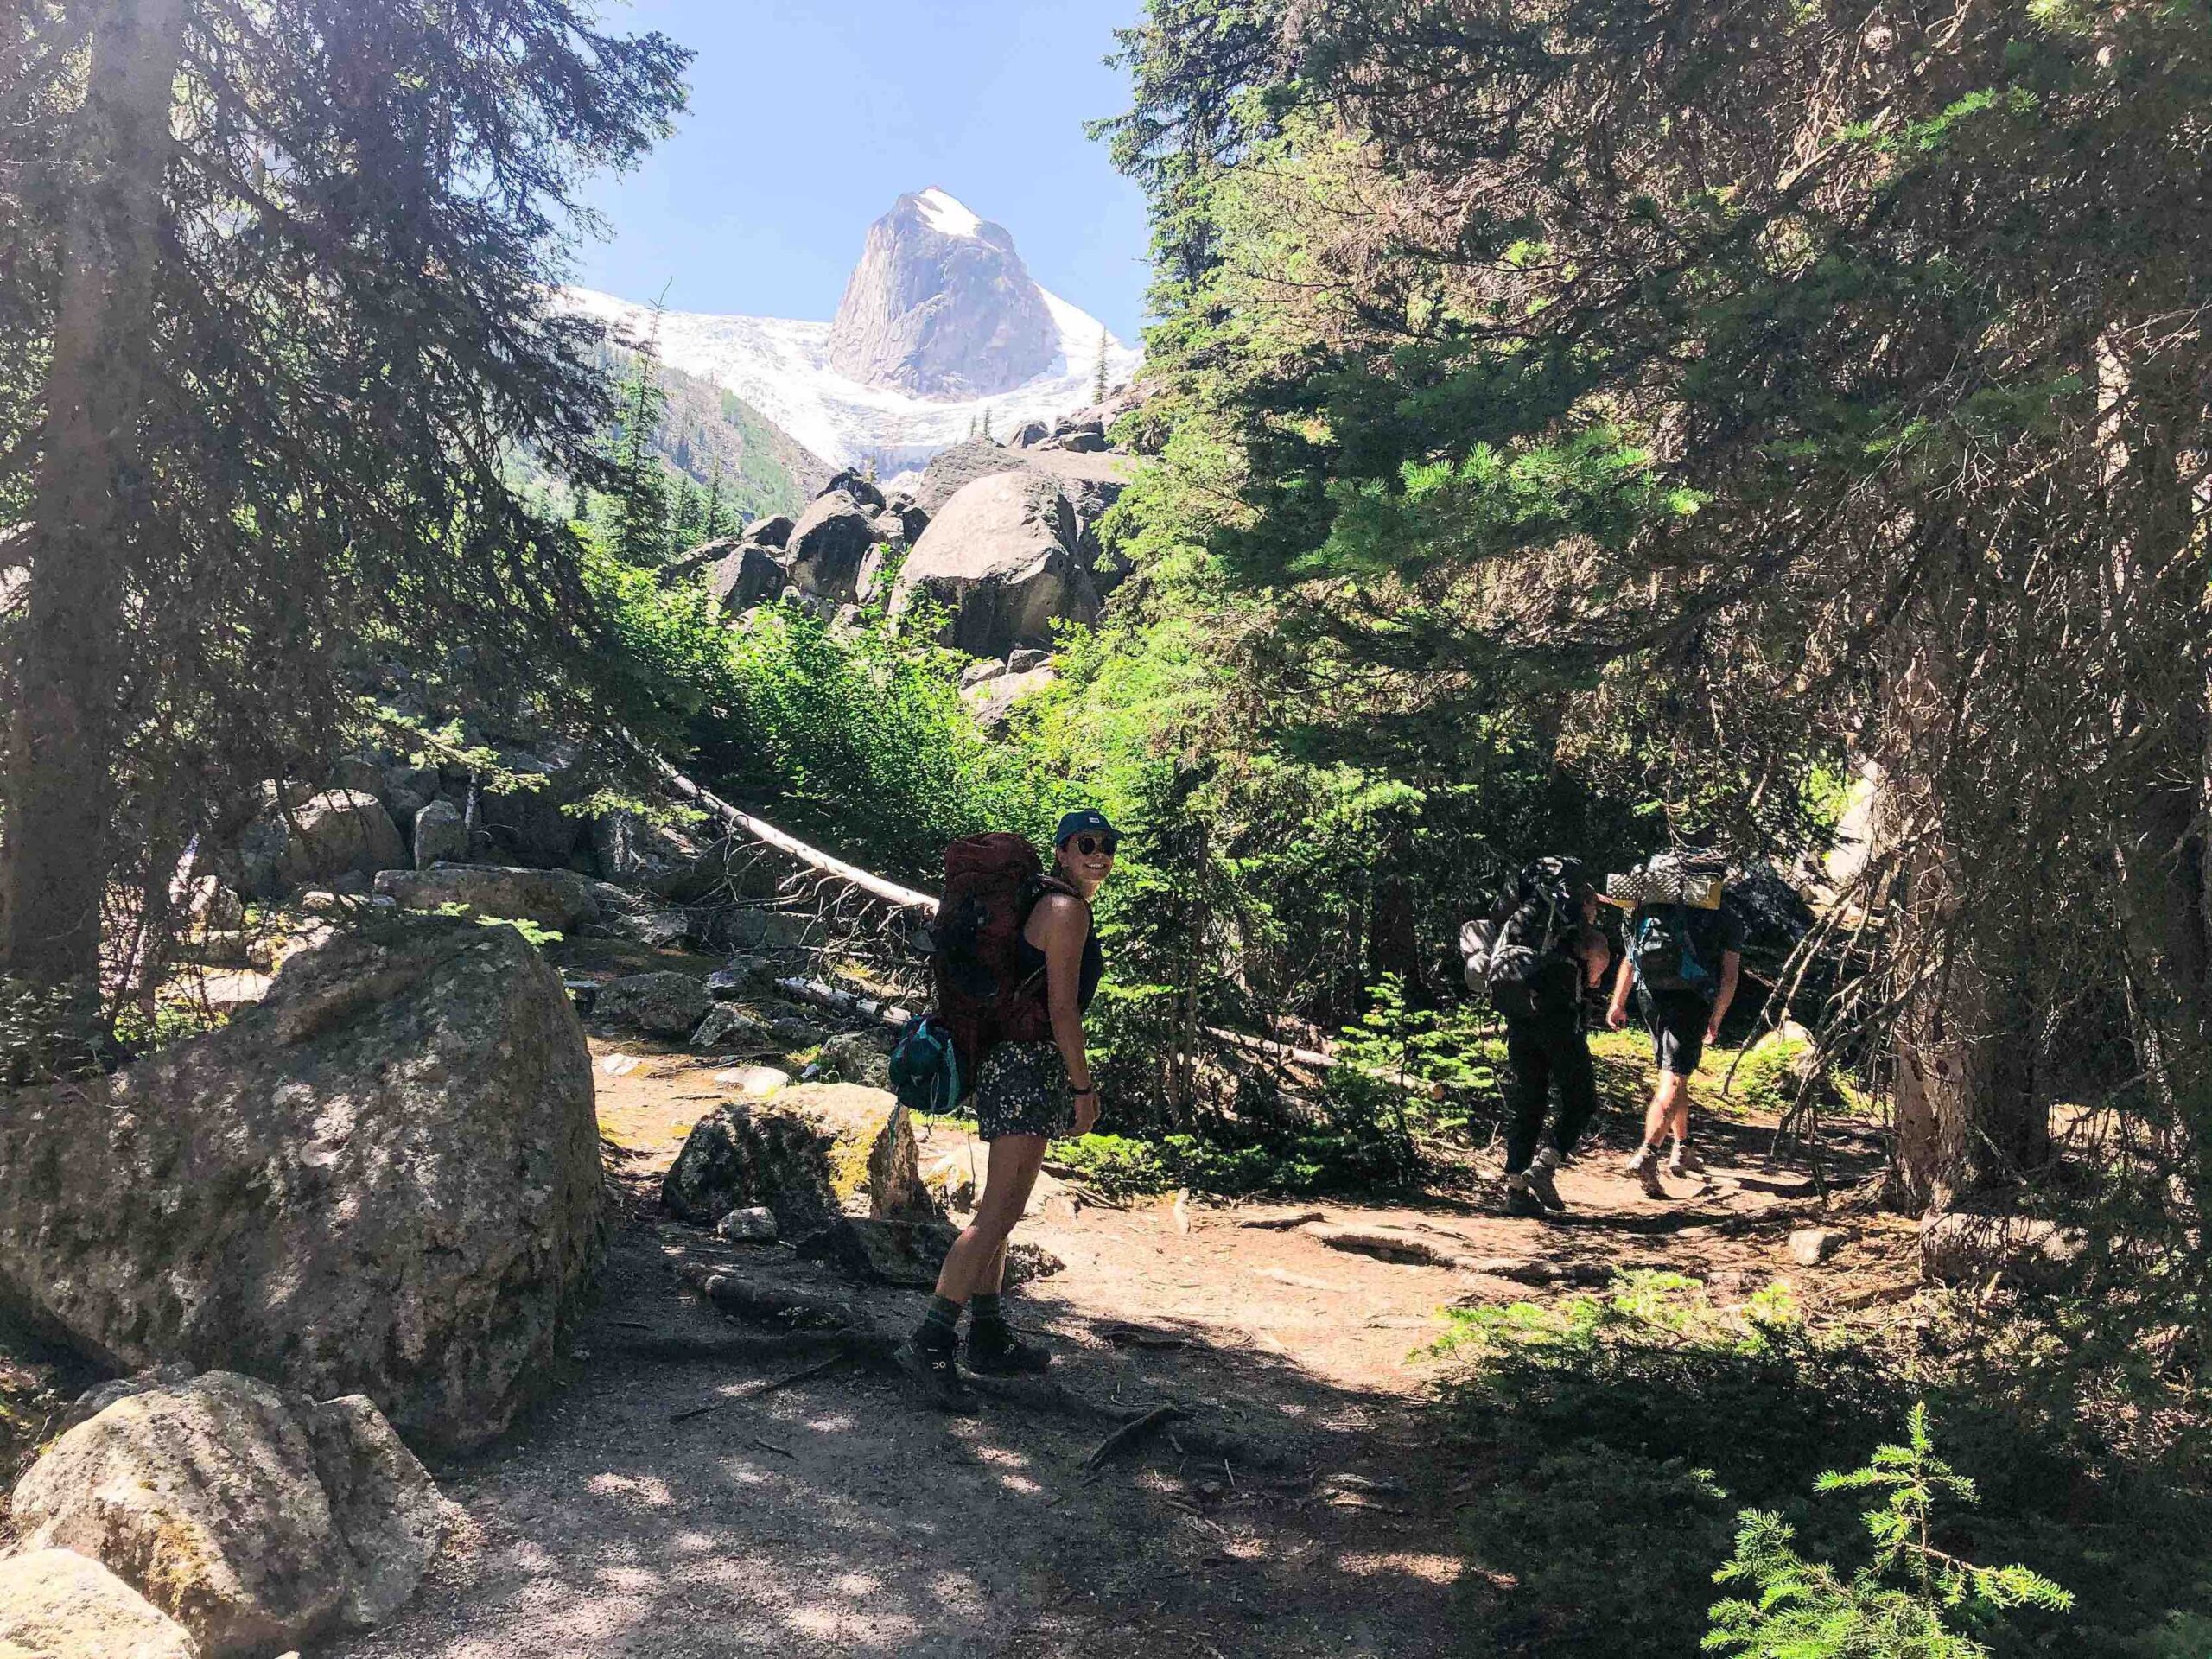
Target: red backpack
[{"x": 991, "y": 884}]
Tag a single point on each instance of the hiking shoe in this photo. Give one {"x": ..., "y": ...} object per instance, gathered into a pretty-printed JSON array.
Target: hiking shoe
[
  {"x": 998, "y": 1352},
  {"x": 937, "y": 1373},
  {"x": 1685, "y": 1163},
  {"x": 1645, "y": 1167},
  {"x": 1521, "y": 1198},
  {"x": 1538, "y": 1182}
]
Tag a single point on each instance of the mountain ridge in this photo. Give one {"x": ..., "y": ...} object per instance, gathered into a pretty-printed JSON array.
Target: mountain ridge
[{"x": 783, "y": 368}]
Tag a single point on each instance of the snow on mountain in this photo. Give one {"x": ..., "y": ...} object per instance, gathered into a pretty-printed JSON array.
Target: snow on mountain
[
  {"x": 946, "y": 214},
  {"x": 778, "y": 366},
  {"x": 782, "y": 366}
]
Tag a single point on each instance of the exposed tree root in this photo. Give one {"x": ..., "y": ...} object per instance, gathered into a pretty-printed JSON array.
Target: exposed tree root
[
  {"x": 804, "y": 1314},
  {"x": 1126, "y": 1437}
]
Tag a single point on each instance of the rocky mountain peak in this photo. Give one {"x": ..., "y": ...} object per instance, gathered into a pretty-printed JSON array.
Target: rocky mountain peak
[{"x": 941, "y": 306}]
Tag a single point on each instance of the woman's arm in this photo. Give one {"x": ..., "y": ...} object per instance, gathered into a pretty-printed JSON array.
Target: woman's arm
[{"x": 1065, "y": 924}]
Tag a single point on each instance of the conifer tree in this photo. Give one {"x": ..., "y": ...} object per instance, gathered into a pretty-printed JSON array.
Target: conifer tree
[
  {"x": 1098, "y": 374},
  {"x": 713, "y": 516},
  {"x": 642, "y": 506},
  {"x": 278, "y": 306}
]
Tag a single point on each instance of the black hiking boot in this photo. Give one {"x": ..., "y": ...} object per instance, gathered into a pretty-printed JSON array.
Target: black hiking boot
[
  {"x": 937, "y": 1373},
  {"x": 1520, "y": 1196},
  {"x": 1541, "y": 1185},
  {"x": 995, "y": 1350}
]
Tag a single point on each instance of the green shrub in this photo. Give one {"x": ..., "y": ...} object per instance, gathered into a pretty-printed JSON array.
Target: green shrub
[
  {"x": 1913, "y": 1600},
  {"x": 1650, "y": 1380},
  {"x": 861, "y": 739},
  {"x": 1766, "y": 1077}
]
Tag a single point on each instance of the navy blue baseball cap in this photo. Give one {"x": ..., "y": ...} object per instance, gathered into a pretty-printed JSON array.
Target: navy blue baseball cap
[{"x": 1089, "y": 821}]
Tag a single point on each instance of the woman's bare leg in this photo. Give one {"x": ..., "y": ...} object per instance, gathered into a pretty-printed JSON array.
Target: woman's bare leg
[{"x": 978, "y": 1258}]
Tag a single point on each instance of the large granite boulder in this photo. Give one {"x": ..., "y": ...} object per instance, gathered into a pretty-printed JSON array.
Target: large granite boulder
[
  {"x": 992, "y": 702},
  {"x": 660, "y": 1004},
  {"x": 1001, "y": 559},
  {"x": 383, "y": 1179},
  {"x": 859, "y": 1057},
  {"x": 55, "y": 1603},
  {"x": 745, "y": 574},
  {"x": 1080, "y": 437},
  {"x": 556, "y": 900},
  {"x": 774, "y": 530},
  {"x": 862, "y": 488},
  {"x": 332, "y": 833},
  {"x": 741, "y": 1157},
  {"x": 254, "y": 1516},
  {"x": 1092, "y": 484},
  {"x": 827, "y": 545}
]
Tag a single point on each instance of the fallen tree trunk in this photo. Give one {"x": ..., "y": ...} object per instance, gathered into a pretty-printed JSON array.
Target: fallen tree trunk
[
  {"x": 852, "y": 1002},
  {"x": 760, "y": 829}
]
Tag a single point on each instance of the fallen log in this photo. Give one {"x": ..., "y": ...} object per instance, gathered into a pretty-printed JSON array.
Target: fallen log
[
  {"x": 761, "y": 830},
  {"x": 847, "y": 1002}
]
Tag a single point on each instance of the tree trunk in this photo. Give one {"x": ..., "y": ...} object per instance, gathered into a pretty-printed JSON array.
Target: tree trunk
[
  {"x": 63, "y": 734},
  {"x": 1967, "y": 1112}
]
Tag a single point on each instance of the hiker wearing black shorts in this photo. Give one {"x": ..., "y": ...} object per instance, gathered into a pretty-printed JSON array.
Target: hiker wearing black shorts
[
  {"x": 1032, "y": 1082},
  {"x": 1682, "y": 961}
]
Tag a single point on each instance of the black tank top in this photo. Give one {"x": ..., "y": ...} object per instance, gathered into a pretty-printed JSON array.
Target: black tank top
[{"x": 1094, "y": 963}]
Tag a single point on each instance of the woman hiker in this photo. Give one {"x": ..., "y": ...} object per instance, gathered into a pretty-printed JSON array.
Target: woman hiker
[{"x": 1028, "y": 1089}]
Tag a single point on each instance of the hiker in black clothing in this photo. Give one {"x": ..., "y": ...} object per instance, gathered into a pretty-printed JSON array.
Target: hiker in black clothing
[
  {"x": 1545, "y": 952},
  {"x": 1032, "y": 1083},
  {"x": 1682, "y": 961}
]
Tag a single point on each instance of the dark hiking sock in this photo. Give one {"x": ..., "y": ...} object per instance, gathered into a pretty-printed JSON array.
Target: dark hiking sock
[
  {"x": 940, "y": 1327},
  {"x": 984, "y": 1312}
]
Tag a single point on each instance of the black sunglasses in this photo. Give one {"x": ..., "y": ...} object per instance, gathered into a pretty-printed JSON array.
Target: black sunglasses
[{"x": 1087, "y": 845}]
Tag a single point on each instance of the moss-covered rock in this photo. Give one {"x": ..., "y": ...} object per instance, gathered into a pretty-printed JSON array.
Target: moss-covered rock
[{"x": 823, "y": 1150}]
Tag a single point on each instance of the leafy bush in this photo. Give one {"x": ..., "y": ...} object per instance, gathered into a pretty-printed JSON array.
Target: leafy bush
[
  {"x": 1765, "y": 1077},
  {"x": 1903, "y": 1604},
  {"x": 1312, "y": 1160},
  {"x": 861, "y": 739}
]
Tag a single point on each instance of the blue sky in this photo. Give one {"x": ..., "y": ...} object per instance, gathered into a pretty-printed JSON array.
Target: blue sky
[{"x": 808, "y": 119}]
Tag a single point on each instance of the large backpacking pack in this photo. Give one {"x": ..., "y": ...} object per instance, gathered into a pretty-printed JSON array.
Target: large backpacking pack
[
  {"x": 1673, "y": 933},
  {"x": 991, "y": 884},
  {"x": 1526, "y": 955}
]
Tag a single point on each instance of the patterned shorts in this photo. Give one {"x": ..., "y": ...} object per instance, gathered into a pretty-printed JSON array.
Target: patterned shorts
[{"x": 1023, "y": 1090}]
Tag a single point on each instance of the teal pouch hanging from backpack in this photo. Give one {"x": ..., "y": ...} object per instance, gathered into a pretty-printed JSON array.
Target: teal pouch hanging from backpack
[{"x": 925, "y": 1067}]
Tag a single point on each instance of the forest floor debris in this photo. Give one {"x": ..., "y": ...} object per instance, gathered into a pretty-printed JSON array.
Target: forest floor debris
[{"x": 733, "y": 1472}]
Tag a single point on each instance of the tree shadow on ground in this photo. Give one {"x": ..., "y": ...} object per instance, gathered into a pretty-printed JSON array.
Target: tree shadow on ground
[
  {"x": 839, "y": 1515},
  {"x": 1618, "y": 1437}
]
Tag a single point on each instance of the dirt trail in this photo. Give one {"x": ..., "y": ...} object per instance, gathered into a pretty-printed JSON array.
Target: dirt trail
[{"x": 837, "y": 1514}]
